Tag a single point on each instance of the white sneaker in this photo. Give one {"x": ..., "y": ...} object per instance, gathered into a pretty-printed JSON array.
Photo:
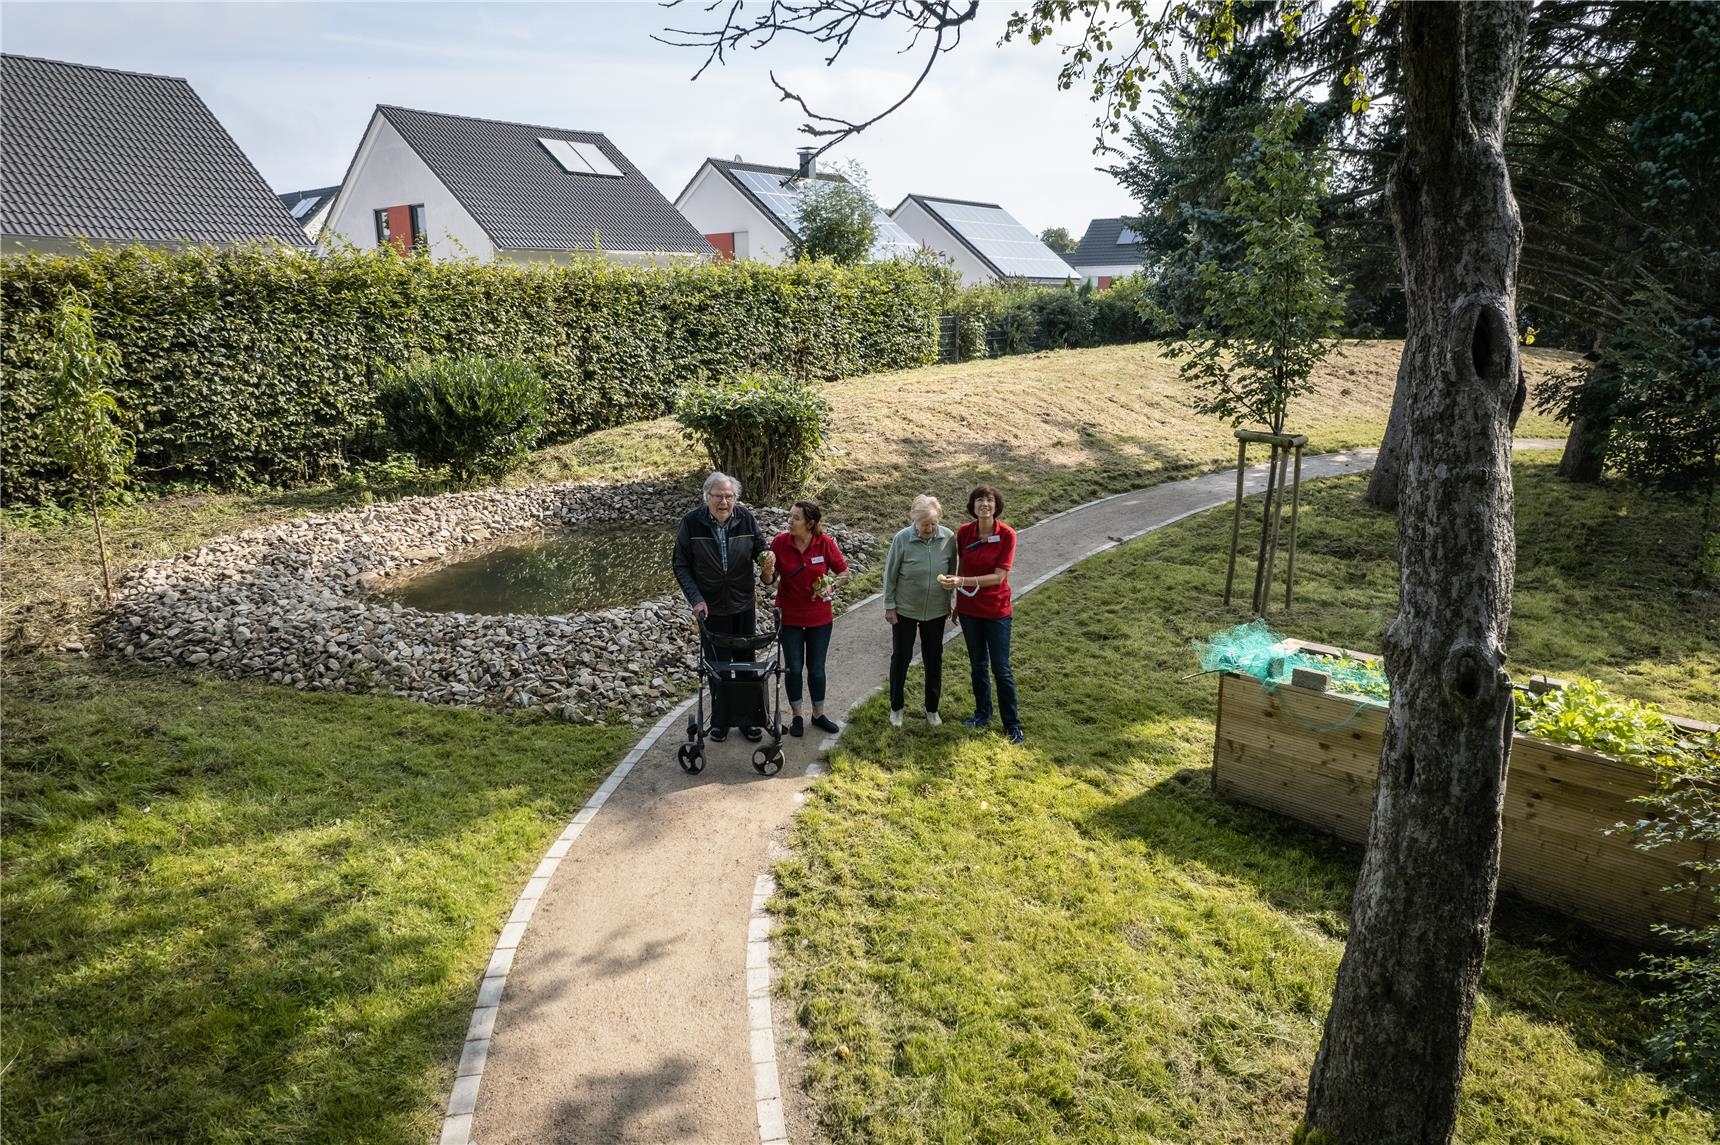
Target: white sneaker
[
  {"x": 895, "y": 717},
  {"x": 933, "y": 720}
]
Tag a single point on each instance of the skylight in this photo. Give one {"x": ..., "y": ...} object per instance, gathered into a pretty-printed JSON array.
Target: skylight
[
  {"x": 580, "y": 158},
  {"x": 303, "y": 206},
  {"x": 1127, "y": 237}
]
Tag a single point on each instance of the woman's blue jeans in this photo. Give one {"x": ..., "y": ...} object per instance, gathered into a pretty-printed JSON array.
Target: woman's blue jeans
[
  {"x": 804, "y": 648},
  {"x": 988, "y": 643}
]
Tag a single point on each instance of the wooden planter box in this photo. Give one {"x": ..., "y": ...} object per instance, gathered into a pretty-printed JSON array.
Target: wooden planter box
[{"x": 1314, "y": 756}]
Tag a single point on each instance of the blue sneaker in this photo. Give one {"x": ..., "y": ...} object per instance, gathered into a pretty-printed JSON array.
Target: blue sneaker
[
  {"x": 1016, "y": 735},
  {"x": 975, "y": 723}
]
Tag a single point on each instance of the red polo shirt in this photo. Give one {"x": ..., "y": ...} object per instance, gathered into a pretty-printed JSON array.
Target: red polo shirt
[
  {"x": 981, "y": 556},
  {"x": 797, "y": 572}
]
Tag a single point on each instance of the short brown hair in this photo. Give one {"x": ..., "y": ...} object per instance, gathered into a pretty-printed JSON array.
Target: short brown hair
[
  {"x": 996, "y": 499},
  {"x": 813, "y": 515}
]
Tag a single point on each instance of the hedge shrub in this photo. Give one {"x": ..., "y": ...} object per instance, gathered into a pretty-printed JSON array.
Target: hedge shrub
[
  {"x": 763, "y": 429},
  {"x": 477, "y": 416},
  {"x": 1014, "y": 318},
  {"x": 257, "y": 365}
]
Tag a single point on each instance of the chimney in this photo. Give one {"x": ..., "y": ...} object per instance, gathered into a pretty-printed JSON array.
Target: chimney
[{"x": 807, "y": 168}]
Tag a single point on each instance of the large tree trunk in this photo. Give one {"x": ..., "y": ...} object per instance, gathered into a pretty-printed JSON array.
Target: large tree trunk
[
  {"x": 1390, "y": 1065},
  {"x": 1394, "y": 448}
]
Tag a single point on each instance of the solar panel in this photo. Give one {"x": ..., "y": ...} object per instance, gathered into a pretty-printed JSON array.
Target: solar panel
[
  {"x": 889, "y": 240},
  {"x": 1011, "y": 247},
  {"x": 303, "y": 206}
]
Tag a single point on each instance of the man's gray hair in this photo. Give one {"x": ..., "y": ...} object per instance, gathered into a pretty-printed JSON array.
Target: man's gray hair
[{"x": 719, "y": 477}]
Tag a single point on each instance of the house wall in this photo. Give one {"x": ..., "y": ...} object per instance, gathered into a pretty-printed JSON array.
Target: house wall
[
  {"x": 1113, "y": 271},
  {"x": 619, "y": 257},
  {"x": 388, "y": 173},
  {"x": 920, "y": 223},
  {"x": 717, "y": 206}
]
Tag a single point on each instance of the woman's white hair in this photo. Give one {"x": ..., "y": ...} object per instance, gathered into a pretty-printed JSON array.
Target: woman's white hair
[
  {"x": 925, "y": 505},
  {"x": 719, "y": 477}
]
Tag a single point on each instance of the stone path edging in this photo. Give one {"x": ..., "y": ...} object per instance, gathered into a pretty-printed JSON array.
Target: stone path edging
[{"x": 767, "y": 1103}]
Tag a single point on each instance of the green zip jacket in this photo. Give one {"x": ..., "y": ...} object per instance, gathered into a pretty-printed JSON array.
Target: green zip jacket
[{"x": 911, "y": 573}]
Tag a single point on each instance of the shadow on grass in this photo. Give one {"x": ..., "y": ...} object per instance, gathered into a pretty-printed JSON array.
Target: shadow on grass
[{"x": 1546, "y": 966}]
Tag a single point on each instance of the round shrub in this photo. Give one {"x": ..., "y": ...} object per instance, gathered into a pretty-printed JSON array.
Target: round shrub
[
  {"x": 764, "y": 429},
  {"x": 477, "y": 416}
]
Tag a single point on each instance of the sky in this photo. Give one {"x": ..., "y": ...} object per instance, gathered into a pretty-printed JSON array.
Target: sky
[{"x": 295, "y": 84}]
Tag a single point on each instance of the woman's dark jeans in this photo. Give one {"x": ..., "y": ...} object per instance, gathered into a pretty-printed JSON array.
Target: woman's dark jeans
[
  {"x": 988, "y": 641},
  {"x": 931, "y": 634},
  {"x": 805, "y": 648}
]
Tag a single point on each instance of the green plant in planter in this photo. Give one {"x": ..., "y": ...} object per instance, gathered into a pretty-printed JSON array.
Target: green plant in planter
[
  {"x": 764, "y": 429},
  {"x": 1586, "y": 715},
  {"x": 478, "y": 416}
]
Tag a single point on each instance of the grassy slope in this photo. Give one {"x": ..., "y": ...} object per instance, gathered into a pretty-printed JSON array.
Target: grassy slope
[
  {"x": 1077, "y": 941},
  {"x": 178, "y": 857},
  {"x": 1055, "y": 428}
]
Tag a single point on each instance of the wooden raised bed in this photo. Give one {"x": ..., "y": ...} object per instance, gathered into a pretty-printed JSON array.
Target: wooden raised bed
[{"x": 1314, "y": 755}]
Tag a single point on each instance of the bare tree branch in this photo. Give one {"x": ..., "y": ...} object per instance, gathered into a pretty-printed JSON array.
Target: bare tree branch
[{"x": 832, "y": 24}]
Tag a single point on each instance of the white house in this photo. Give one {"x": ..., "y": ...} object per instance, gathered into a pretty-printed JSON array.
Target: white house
[
  {"x": 751, "y": 211},
  {"x": 310, "y": 208},
  {"x": 94, "y": 155},
  {"x": 1109, "y": 250},
  {"x": 509, "y": 192},
  {"x": 983, "y": 239}
]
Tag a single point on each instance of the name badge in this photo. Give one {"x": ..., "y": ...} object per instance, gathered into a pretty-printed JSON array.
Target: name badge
[
  {"x": 816, "y": 560},
  {"x": 993, "y": 539}
]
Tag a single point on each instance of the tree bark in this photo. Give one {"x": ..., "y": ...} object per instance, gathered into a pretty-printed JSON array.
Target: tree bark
[
  {"x": 1585, "y": 449},
  {"x": 1388, "y": 466},
  {"x": 1390, "y": 1065}
]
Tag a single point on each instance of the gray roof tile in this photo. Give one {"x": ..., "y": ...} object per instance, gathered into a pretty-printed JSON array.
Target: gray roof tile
[
  {"x": 1099, "y": 246},
  {"x": 525, "y": 200},
  {"x": 122, "y": 157}
]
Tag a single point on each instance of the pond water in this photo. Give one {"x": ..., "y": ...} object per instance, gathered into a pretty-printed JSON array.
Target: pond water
[{"x": 563, "y": 571}]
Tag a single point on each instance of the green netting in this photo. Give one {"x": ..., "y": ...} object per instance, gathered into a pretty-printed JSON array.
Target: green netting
[{"x": 1253, "y": 649}]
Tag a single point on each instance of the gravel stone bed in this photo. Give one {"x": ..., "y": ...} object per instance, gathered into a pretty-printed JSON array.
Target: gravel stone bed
[{"x": 293, "y": 604}]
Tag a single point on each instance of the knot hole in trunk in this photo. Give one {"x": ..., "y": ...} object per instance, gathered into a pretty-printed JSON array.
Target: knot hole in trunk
[{"x": 1487, "y": 329}]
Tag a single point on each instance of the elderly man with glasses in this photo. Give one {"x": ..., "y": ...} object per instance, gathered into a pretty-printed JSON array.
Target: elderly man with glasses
[{"x": 715, "y": 550}]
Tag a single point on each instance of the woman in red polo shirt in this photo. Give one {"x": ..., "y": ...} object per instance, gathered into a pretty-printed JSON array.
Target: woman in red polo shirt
[
  {"x": 986, "y": 547},
  {"x": 809, "y": 568}
]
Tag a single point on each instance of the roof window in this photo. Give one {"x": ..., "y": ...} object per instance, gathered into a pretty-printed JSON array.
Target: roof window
[
  {"x": 1126, "y": 236},
  {"x": 580, "y": 158}
]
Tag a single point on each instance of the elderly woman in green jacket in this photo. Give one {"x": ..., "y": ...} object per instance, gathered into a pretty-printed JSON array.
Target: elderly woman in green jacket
[{"x": 914, "y": 604}]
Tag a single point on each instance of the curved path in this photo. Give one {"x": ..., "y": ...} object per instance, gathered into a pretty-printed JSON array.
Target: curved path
[{"x": 636, "y": 1007}]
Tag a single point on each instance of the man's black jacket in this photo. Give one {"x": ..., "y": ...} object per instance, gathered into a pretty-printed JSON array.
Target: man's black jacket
[{"x": 699, "y": 562}]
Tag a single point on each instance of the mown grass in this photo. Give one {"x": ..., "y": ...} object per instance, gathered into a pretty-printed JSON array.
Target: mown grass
[
  {"x": 1076, "y": 940},
  {"x": 1056, "y": 429},
  {"x": 244, "y": 913}
]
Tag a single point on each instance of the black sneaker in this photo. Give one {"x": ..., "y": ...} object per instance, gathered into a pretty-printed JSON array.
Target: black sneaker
[
  {"x": 717, "y": 735},
  {"x": 1016, "y": 735},
  {"x": 798, "y": 727},
  {"x": 825, "y": 723},
  {"x": 753, "y": 735}
]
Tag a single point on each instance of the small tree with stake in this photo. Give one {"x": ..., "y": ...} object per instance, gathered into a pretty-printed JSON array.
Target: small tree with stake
[
  {"x": 1268, "y": 322},
  {"x": 83, "y": 424}
]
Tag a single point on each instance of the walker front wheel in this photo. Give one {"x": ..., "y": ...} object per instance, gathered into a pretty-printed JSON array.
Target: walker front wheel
[{"x": 691, "y": 758}]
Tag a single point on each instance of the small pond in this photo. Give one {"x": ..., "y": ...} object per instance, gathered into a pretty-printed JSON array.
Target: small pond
[{"x": 561, "y": 572}]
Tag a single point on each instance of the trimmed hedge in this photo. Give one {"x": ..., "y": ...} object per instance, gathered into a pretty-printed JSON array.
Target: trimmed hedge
[
  {"x": 255, "y": 365},
  {"x": 1014, "y": 318}
]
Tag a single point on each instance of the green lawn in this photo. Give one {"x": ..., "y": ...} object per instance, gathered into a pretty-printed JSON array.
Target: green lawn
[
  {"x": 1076, "y": 940},
  {"x": 242, "y": 913}
]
